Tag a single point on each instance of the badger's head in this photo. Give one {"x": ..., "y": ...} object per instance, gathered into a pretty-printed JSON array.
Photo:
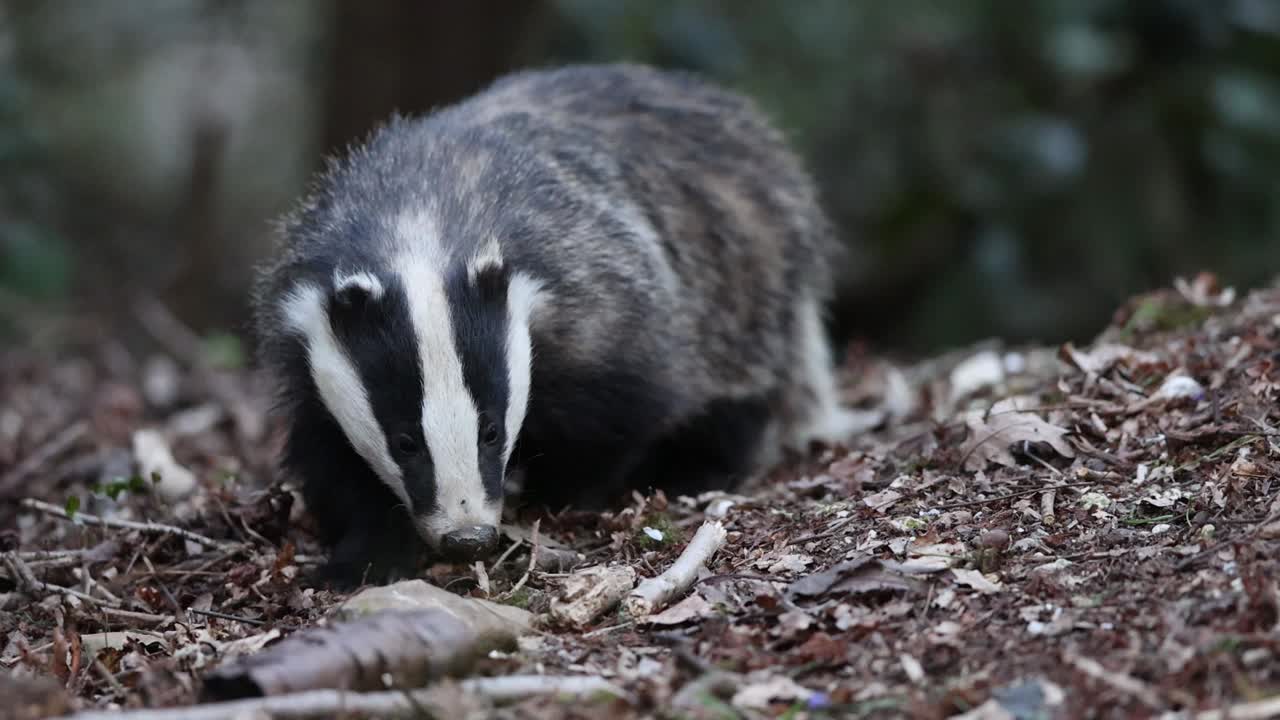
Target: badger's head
[{"x": 424, "y": 363}]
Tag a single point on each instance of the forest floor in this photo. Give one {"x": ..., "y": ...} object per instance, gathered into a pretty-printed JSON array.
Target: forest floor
[{"x": 1077, "y": 531}]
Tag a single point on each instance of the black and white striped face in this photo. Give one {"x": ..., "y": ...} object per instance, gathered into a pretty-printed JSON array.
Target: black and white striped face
[{"x": 425, "y": 366}]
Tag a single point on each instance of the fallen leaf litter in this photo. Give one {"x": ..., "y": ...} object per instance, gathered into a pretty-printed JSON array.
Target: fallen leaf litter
[{"x": 1091, "y": 528}]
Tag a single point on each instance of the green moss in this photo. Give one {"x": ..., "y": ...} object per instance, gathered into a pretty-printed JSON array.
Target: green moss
[
  {"x": 520, "y": 598},
  {"x": 662, "y": 522},
  {"x": 1158, "y": 314}
]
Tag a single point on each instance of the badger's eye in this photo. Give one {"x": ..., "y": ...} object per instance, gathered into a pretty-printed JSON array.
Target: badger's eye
[
  {"x": 405, "y": 444},
  {"x": 488, "y": 430}
]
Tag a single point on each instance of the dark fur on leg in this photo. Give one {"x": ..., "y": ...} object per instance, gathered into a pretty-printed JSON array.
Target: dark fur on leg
[
  {"x": 369, "y": 534},
  {"x": 715, "y": 450}
]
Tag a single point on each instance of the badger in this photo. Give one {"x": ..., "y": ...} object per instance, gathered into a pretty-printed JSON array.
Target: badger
[{"x": 598, "y": 277}]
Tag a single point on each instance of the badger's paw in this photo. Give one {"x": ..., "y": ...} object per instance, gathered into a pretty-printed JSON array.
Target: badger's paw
[{"x": 836, "y": 426}]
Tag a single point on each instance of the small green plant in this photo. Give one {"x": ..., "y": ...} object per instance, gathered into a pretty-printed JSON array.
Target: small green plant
[
  {"x": 658, "y": 530},
  {"x": 520, "y": 598},
  {"x": 224, "y": 351},
  {"x": 113, "y": 488}
]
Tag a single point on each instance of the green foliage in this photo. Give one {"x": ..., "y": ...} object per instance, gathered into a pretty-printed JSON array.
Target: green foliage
[
  {"x": 1013, "y": 169},
  {"x": 114, "y": 488},
  {"x": 225, "y": 351},
  {"x": 671, "y": 533}
]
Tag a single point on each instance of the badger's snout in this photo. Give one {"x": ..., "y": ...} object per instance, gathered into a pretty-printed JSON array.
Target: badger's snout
[{"x": 469, "y": 544}]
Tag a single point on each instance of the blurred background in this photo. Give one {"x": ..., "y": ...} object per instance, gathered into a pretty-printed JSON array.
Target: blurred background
[{"x": 1012, "y": 168}]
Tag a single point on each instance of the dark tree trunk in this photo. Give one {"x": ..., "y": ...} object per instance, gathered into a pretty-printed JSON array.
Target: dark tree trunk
[{"x": 413, "y": 55}]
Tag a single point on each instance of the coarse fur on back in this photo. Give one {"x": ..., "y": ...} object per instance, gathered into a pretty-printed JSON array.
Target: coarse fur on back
[{"x": 607, "y": 277}]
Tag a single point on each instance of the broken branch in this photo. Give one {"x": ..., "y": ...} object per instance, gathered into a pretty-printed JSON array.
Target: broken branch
[
  {"x": 31, "y": 585},
  {"x": 145, "y": 527},
  {"x": 385, "y": 704},
  {"x": 656, "y": 592}
]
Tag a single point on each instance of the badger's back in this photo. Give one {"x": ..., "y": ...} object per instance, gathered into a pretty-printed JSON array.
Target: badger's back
[
  {"x": 662, "y": 246},
  {"x": 693, "y": 229}
]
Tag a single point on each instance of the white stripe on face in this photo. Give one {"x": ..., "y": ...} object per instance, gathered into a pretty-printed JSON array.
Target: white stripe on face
[
  {"x": 339, "y": 385},
  {"x": 450, "y": 420},
  {"x": 523, "y": 296}
]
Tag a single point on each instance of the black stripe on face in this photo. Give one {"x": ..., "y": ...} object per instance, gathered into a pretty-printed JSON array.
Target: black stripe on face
[
  {"x": 478, "y": 309},
  {"x": 379, "y": 337}
]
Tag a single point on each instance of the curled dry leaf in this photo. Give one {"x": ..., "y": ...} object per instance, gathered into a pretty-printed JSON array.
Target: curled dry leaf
[
  {"x": 975, "y": 580},
  {"x": 861, "y": 575},
  {"x": 1098, "y": 359},
  {"x": 693, "y": 607},
  {"x": 992, "y": 435}
]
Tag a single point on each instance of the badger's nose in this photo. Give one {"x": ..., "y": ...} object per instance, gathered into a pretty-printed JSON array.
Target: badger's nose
[{"x": 470, "y": 543}]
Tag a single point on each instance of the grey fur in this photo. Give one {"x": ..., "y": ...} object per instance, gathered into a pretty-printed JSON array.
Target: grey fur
[{"x": 669, "y": 222}]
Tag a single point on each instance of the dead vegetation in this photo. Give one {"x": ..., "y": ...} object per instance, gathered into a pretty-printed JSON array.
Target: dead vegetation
[{"x": 1085, "y": 531}]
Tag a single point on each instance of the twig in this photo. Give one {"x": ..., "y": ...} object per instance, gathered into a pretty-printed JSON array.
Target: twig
[
  {"x": 110, "y": 679},
  {"x": 506, "y": 554},
  {"x": 57, "y": 445},
  {"x": 533, "y": 558},
  {"x": 1256, "y": 710},
  {"x": 137, "y": 617},
  {"x": 1119, "y": 681},
  {"x": 656, "y": 592},
  {"x": 392, "y": 703},
  {"x": 1046, "y": 506},
  {"x": 224, "y": 616},
  {"x": 1010, "y": 496},
  {"x": 30, "y": 584},
  {"x": 608, "y": 629},
  {"x": 515, "y": 687},
  {"x": 1248, "y": 536},
  {"x": 173, "y": 601},
  {"x": 146, "y": 527}
]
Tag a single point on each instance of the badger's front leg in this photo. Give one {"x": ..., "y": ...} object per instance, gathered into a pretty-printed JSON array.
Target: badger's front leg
[
  {"x": 368, "y": 533},
  {"x": 379, "y": 546}
]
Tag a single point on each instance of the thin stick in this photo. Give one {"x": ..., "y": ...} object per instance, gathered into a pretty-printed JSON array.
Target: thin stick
[
  {"x": 224, "y": 616},
  {"x": 533, "y": 558},
  {"x": 146, "y": 527},
  {"x": 1255, "y": 710},
  {"x": 137, "y": 617},
  {"x": 1046, "y": 506},
  {"x": 1126, "y": 684},
  {"x": 106, "y": 675},
  {"x": 391, "y": 703},
  {"x": 30, "y": 584},
  {"x": 57, "y": 445},
  {"x": 655, "y": 592},
  {"x": 1010, "y": 496}
]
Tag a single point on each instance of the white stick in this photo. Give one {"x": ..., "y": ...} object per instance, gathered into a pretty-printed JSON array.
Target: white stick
[
  {"x": 1255, "y": 710},
  {"x": 146, "y": 527},
  {"x": 333, "y": 703},
  {"x": 654, "y": 593}
]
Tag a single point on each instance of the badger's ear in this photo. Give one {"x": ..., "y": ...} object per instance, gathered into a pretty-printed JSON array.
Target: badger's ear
[{"x": 356, "y": 290}]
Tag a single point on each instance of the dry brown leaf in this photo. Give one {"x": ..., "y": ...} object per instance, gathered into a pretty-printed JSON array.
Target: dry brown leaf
[
  {"x": 992, "y": 434},
  {"x": 860, "y": 575},
  {"x": 693, "y": 607}
]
